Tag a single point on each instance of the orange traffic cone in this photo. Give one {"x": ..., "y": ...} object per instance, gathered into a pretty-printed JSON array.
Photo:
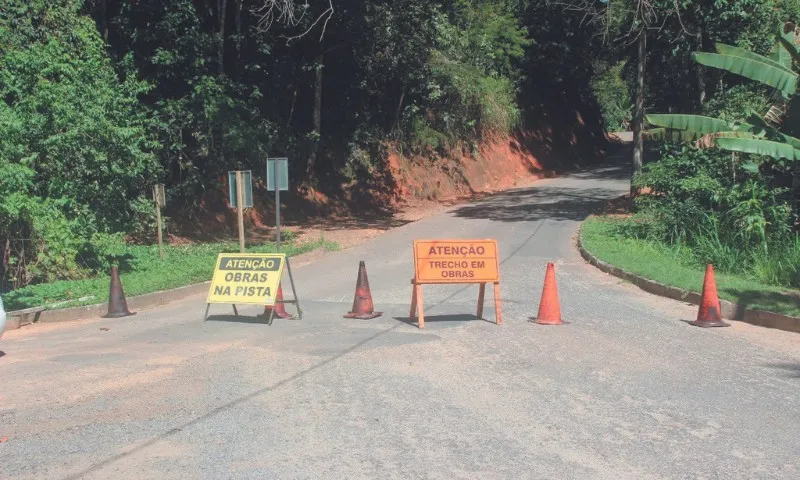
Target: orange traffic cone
[
  {"x": 362, "y": 303},
  {"x": 280, "y": 310},
  {"x": 117, "y": 305},
  {"x": 710, "y": 312},
  {"x": 549, "y": 307}
]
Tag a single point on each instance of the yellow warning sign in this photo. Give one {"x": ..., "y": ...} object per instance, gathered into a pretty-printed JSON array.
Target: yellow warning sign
[{"x": 246, "y": 278}]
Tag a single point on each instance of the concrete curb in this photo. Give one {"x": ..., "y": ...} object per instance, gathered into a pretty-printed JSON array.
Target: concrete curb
[
  {"x": 139, "y": 302},
  {"x": 730, "y": 310}
]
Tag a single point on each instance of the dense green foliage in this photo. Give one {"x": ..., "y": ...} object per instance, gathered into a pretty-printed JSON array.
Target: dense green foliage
[{"x": 74, "y": 153}]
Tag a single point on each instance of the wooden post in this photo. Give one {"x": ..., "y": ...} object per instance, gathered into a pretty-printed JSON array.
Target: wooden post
[
  {"x": 240, "y": 209},
  {"x": 420, "y": 308},
  {"x": 497, "y": 311},
  {"x": 158, "y": 219},
  {"x": 413, "y": 313},
  {"x": 481, "y": 294}
]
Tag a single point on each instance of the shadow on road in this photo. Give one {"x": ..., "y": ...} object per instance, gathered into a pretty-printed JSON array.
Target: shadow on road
[
  {"x": 608, "y": 171},
  {"x": 443, "y": 318},
  {"x": 770, "y": 301},
  {"x": 549, "y": 202},
  {"x": 792, "y": 370},
  {"x": 236, "y": 319}
]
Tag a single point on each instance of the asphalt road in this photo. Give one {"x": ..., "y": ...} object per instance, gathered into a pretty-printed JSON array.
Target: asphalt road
[{"x": 626, "y": 390}]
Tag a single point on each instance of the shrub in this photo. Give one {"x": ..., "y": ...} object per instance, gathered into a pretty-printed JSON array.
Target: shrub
[
  {"x": 75, "y": 156},
  {"x": 705, "y": 203}
]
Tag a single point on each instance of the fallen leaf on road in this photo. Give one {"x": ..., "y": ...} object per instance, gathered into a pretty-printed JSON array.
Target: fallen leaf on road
[{"x": 3, "y": 439}]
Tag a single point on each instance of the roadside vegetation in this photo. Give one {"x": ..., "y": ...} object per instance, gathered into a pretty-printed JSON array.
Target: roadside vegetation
[
  {"x": 144, "y": 272},
  {"x": 606, "y": 238},
  {"x": 722, "y": 184}
]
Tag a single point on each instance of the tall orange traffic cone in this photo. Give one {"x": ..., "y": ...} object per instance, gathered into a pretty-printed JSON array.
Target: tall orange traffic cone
[
  {"x": 280, "y": 310},
  {"x": 710, "y": 312},
  {"x": 549, "y": 307},
  {"x": 117, "y": 305},
  {"x": 362, "y": 303}
]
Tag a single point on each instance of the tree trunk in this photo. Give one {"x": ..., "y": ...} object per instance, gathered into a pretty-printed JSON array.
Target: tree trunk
[
  {"x": 291, "y": 109},
  {"x": 239, "y": 32},
  {"x": 701, "y": 79},
  {"x": 316, "y": 117},
  {"x": 104, "y": 19},
  {"x": 399, "y": 109},
  {"x": 219, "y": 129},
  {"x": 638, "y": 119},
  {"x": 222, "y": 7}
]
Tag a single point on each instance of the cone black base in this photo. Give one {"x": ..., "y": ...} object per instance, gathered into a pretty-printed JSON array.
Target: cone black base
[
  {"x": 719, "y": 323},
  {"x": 118, "y": 315},
  {"x": 364, "y": 316},
  {"x": 266, "y": 312}
]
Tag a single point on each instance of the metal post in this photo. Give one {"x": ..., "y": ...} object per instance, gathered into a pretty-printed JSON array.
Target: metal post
[
  {"x": 240, "y": 209},
  {"x": 294, "y": 291},
  {"x": 158, "y": 219},
  {"x": 277, "y": 206}
]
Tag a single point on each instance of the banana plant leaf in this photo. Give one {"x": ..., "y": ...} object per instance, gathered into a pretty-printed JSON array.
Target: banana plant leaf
[
  {"x": 670, "y": 135},
  {"x": 785, "y": 41},
  {"x": 769, "y": 148},
  {"x": 693, "y": 123},
  {"x": 778, "y": 78},
  {"x": 725, "y": 49}
]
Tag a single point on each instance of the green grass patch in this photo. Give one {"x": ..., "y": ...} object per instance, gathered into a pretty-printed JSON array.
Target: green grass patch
[
  {"x": 143, "y": 271},
  {"x": 668, "y": 265}
]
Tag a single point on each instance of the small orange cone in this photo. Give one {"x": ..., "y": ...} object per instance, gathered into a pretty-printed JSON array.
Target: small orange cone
[
  {"x": 362, "y": 303},
  {"x": 710, "y": 312},
  {"x": 117, "y": 305},
  {"x": 280, "y": 310},
  {"x": 549, "y": 307}
]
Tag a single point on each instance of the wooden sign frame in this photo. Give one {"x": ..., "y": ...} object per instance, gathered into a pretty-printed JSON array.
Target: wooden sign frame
[{"x": 417, "y": 303}]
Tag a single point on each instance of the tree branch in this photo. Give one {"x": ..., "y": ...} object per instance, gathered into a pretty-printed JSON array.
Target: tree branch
[{"x": 287, "y": 13}]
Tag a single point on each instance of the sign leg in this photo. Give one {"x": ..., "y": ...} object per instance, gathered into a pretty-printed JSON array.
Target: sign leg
[
  {"x": 236, "y": 312},
  {"x": 205, "y": 317},
  {"x": 294, "y": 292},
  {"x": 481, "y": 295},
  {"x": 498, "y": 313},
  {"x": 413, "y": 313},
  {"x": 420, "y": 307}
]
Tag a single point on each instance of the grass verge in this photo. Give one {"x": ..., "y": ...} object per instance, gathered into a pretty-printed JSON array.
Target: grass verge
[
  {"x": 142, "y": 271},
  {"x": 660, "y": 263}
]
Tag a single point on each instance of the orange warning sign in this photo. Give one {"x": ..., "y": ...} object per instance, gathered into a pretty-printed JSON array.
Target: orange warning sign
[{"x": 456, "y": 261}]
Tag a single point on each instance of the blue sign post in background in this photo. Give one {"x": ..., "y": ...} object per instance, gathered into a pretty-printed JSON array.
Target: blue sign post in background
[{"x": 278, "y": 173}]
